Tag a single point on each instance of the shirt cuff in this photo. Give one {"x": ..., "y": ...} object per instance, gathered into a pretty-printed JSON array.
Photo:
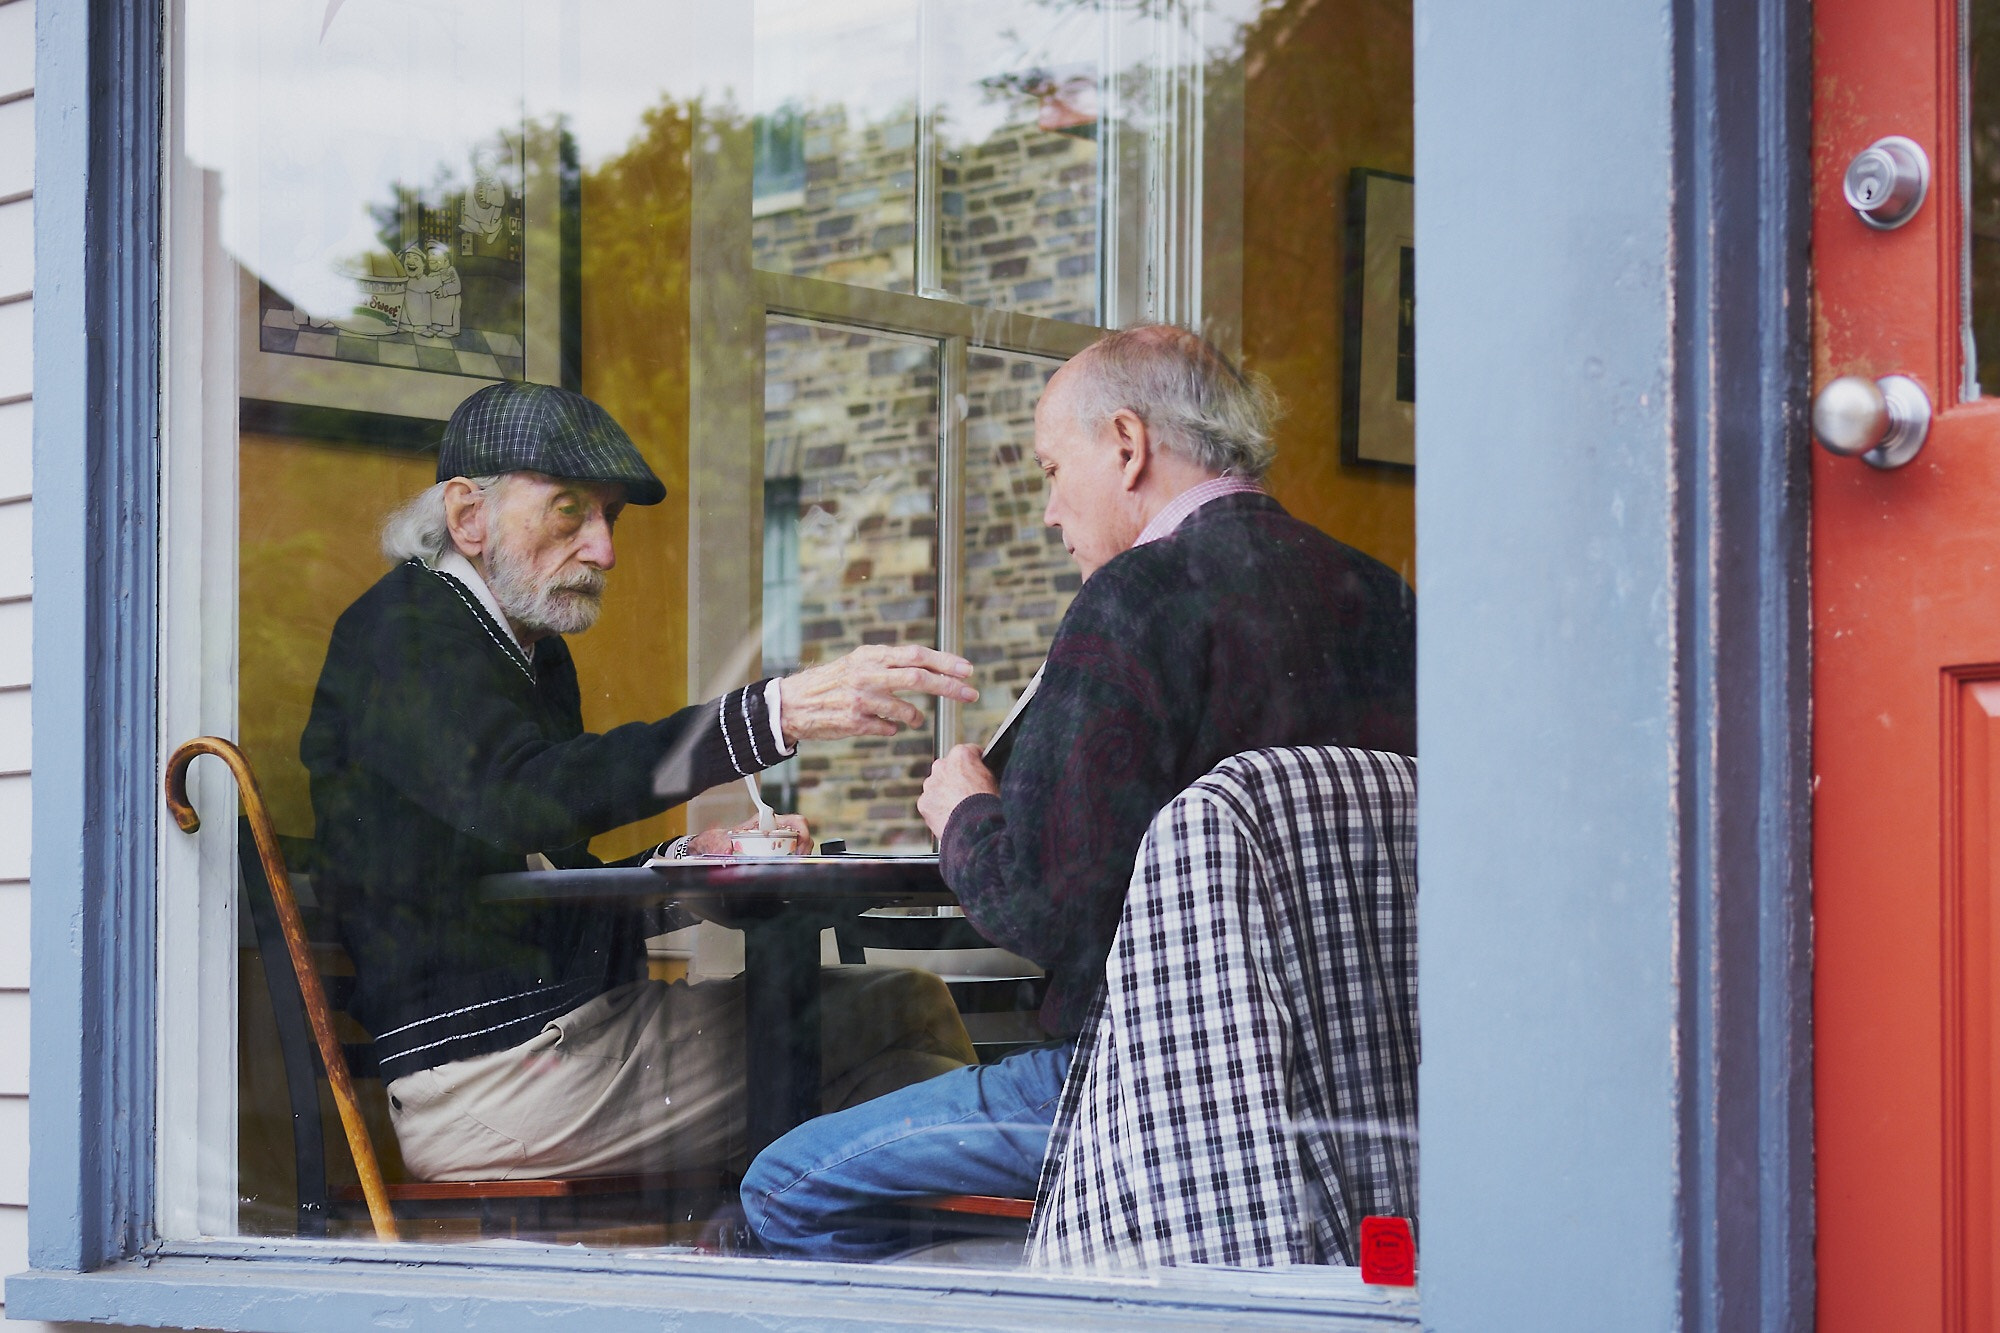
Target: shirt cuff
[
  {"x": 667, "y": 851},
  {"x": 774, "y": 705},
  {"x": 747, "y": 736}
]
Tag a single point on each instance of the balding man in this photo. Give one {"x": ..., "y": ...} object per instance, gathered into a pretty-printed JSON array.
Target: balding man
[{"x": 1210, "y": 622}]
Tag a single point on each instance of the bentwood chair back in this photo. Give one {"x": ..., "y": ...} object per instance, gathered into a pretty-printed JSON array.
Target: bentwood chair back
[{"x": 317, "y": 1205}]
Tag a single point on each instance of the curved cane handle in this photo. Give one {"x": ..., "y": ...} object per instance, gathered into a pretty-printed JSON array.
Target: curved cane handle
[{"x": 176, "y": 783}]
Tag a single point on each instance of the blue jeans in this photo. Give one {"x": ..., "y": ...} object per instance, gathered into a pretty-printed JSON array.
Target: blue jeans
[{"x": 829, "y": 1189}]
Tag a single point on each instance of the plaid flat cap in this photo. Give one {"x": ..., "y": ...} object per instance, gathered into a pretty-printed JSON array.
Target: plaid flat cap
[{"x": 519, "y": 427}]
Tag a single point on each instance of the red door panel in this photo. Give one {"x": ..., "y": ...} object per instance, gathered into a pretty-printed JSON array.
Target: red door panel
[
  {"x": 1906, "y": 722},
  {"x": 1972, "y": 844}
]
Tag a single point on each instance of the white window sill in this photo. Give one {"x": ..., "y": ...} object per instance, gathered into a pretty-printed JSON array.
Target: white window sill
[{"x": 310, "y": 1287}]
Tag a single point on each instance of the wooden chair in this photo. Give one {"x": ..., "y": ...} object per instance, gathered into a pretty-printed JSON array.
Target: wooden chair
[
  {"x": 983, "y": 1205},
  {"x": 310, "y": 1043}
]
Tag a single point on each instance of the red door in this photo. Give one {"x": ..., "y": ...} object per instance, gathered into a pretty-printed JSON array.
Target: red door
[{"x": 1906, "y": 728}]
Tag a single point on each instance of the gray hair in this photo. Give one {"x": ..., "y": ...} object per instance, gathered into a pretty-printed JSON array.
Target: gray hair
[
  {"x": 1186, "y": 392},
  {"x": 417, "y": 530}
]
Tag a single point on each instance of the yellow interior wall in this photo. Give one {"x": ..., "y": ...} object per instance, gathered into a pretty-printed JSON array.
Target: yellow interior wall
[
  {"x": 308, "y": 520},
  {"x": 1327, "y": 88},
  {"x": 310, "y": 509},
  {"x": 633, "y": 665}
]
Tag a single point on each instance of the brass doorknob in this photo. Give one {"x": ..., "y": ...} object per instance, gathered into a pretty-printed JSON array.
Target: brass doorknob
[{"x": 1883, "y": 422}]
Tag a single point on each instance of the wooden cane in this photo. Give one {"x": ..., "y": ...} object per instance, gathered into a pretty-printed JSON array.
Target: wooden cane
[{"x": 318, "y": 1012}]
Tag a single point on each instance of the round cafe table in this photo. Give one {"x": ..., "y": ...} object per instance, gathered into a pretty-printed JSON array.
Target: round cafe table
[{"x": 781, "y": 904}]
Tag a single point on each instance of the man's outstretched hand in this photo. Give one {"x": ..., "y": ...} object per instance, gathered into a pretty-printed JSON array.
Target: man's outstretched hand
[
  {"x": 961, "y": 773},
  {"x": 856, "y": 695}
]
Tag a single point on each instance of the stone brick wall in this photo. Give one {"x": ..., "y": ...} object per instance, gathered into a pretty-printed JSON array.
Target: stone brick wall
[{"x": 853, "y": 416}]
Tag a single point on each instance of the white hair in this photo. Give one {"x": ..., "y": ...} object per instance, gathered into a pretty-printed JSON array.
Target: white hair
[
  {"x": 417, "y": 530},
  {"x": 1186, "y": 392}
]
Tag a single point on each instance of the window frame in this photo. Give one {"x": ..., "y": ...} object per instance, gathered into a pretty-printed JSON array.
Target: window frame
[
  {"x": 1707, "y": 103},
  {"x": 957, "y": 330},
  {"x": 1164, "y": 278},
  {"x": 93, "y": 1243}
]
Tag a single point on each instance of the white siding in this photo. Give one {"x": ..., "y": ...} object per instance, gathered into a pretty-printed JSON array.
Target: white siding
[
  {"x": 17, "y": 329},
  {"x": 17, "y": 269},
  {"x": 17, "y": 242},
  {"x": 17, "y": 49},
  {"x": 14, "y": 731},
  {"x": 16, "y": 541},
  {"x": 17, "y": 436},
  {"x": 15, "y": 811},
  {"x": 13, "y": 1050},
  {"x": 17, "y": 145},
  {"x": 17, "y": 643},
  {"x": 13, "y": 977}
]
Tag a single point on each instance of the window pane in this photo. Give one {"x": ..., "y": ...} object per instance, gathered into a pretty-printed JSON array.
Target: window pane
[
  {"x": 1018, "y": 578},
  {"x": 521, "y": 198},
  {"x": 1019, "y": 120},
  {"x": 835, "y": 180},
  {"x": 950, "y": 147},
  {"x": 1982, "y": 232},
  {"x": 850, "y": 508}
]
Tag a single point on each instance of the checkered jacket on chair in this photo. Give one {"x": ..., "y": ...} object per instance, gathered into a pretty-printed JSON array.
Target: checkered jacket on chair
[{"x": 1246, "y": 1090}]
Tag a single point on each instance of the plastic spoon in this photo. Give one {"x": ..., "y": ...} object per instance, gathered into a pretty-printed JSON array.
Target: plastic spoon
[{"x": 767, "y": 820}]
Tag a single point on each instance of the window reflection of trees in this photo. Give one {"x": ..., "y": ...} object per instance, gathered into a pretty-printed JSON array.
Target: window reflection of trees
[{"x": 850, "y": 419}]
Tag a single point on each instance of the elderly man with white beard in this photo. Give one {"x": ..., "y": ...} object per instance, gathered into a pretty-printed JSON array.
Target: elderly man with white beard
[{"x": 446, "y": 743}]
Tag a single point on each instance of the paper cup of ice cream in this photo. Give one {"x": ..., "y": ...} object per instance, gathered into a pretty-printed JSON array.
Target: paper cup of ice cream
[{"x": 778, "y": 842}]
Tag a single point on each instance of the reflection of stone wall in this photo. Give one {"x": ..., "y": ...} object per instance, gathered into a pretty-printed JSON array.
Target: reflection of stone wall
[
  {"x": 854, "y": 417},
  {"x": 1020, "y": 224},
  {"x": 1018, "y": 216},
  {"x": 857, "y": 221},
  {"x": 1018, "y": 578}
]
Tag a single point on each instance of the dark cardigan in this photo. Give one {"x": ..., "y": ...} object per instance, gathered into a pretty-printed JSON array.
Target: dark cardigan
[
  {"x": 438, "y": 754},
  {"x": 1243, "y": 629}
]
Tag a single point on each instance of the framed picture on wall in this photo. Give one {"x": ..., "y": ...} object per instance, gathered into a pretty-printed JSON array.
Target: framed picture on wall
[
  {"x": 394, "y": 269},
  {"x": 1378, "y": 417}
]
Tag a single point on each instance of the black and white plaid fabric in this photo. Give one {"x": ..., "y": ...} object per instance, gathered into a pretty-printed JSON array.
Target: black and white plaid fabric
[
  {"x": 516, "y": 426},
  {"x": 1246, "y": 1090}
]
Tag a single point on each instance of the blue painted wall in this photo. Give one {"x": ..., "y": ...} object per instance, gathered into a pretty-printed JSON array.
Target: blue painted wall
[
  {"x": 1545, "y": 558},
  {"x": 59, "y": 1171}
]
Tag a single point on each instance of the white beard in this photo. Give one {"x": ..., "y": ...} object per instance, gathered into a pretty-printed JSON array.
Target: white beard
[{"x": 558, "y": 606}]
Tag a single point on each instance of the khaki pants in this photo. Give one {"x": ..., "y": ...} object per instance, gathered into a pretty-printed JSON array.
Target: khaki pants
[{"x": 649, "y": 1077}]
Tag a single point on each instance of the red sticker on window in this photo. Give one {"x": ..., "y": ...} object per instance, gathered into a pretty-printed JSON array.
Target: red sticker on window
[{"x": 1388, "y": 1254}]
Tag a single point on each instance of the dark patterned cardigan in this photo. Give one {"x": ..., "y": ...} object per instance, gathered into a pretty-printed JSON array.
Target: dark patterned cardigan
[
  {"x": 439, "y": 753},
  {"x": 1243, "y": 629}
]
